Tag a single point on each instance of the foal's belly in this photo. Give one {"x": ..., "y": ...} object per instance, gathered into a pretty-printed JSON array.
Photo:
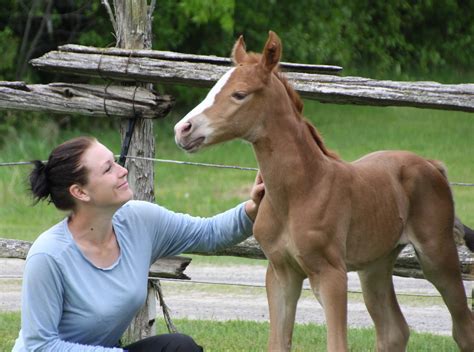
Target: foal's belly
[
  {"x": 378, "y": 221},
  {"x": 283, "y": 249}
]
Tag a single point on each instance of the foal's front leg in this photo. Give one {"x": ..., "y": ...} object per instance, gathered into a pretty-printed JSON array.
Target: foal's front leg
[
  {"x": 283, "y": 290},
  {"x": 329, "y": 284}
]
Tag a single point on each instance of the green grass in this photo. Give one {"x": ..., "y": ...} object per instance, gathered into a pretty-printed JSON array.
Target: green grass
[
  {"x": 236, "y": 335},
  {"x": 251, "y": 336},
  {"x": 352, "y": 131},
  {"x": 9, "y": 327}
]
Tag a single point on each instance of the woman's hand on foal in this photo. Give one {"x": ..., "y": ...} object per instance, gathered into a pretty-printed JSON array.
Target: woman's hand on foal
[{"x": 256, "y": 196}]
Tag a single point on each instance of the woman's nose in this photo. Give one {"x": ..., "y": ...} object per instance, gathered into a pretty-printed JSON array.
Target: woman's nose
[{"x": 122, "y": 171}]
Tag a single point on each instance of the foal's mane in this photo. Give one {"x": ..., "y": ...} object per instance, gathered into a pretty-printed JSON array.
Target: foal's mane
[{"x": 253, "y": 58}]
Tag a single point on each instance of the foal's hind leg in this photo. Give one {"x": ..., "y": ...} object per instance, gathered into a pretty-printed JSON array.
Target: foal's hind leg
[
  {"x": 379, "y": 296},
  {"x": 437, "y": 253},
  {"x": 430, "y": 229}
]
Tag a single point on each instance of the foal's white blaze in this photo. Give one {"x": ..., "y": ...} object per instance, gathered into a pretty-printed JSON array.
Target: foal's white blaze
[
  {"x": 206, "y": 103},
  {"x": 211, "y": 96}
]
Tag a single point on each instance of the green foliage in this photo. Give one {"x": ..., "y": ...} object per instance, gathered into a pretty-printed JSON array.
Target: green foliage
[
  {"x": 202, "y": 12},
  {"x": 388, "y": 38},
  {"x": 8, "y": 48},
  {"x": 28, "y": 29},
  {"x": 194, "y": 26}
]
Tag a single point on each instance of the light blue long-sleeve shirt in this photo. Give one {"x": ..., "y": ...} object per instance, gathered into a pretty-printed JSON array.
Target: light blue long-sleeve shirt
[{"x": 69, "y": 304}]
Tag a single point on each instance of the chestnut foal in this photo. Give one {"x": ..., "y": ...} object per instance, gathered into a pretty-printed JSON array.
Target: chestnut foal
[{"x": 322, "y": 217}]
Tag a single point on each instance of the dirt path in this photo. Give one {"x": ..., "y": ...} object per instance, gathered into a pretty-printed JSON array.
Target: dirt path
[
  {"x": 224, "y": 302},
  {"x": 423, "y": 317}
]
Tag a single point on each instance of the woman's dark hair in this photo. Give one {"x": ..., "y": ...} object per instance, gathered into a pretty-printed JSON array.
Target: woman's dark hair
[{"x": 51, "y": 181}]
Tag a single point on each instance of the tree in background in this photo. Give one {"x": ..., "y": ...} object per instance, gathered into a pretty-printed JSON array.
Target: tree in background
[{"x": 385, "y": 38}]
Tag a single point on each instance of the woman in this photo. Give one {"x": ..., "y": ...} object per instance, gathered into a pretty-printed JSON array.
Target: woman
[{"x": 86, "y": 277}]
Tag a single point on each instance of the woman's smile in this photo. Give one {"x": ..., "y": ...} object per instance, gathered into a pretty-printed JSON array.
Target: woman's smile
[{"x": 123, "y": 185}]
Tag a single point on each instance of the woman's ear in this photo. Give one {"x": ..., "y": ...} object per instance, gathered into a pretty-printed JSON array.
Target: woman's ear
[{"x": 79, "y": 193}]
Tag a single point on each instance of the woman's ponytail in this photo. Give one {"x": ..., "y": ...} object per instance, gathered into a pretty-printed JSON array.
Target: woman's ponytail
[{"x": 39, "y": 181}]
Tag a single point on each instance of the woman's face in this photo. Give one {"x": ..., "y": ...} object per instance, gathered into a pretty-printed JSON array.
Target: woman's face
[{"x": 107, "y": 181}]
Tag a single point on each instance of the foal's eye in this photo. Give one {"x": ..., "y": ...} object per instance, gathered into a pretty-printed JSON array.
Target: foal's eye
[{"x": 239, "y": 95}]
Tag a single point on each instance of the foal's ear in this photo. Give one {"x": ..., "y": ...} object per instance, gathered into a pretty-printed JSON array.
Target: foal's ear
[
  {"x": 271, "y": 52},
  {"x": 238, "y": 52}
]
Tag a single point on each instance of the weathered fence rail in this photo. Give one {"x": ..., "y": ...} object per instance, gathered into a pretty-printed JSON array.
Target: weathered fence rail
[
  {"x": 170, "y": 267},
  {"x": 173, "y": 267},
  {"x": 322, "y": 87},
  {"x": 407, "y": 264},
  {"x": 85, "y": 99},
  {"x": 174, "y": 56}
]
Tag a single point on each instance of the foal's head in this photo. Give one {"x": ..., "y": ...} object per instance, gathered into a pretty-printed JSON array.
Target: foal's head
[{"x": 237, "y": 104}]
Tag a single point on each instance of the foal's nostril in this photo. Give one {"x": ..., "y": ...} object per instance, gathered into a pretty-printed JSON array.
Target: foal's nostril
[{"x": 185, "y": 128}]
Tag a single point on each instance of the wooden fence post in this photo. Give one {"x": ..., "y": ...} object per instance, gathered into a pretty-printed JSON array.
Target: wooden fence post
[
  {"x": 133, "y": 21},
  {"x": 133, "y": 31}
]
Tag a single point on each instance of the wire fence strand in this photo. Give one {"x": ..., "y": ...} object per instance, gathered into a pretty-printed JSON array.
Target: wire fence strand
[
  {"x": 190, "y": 163},
  {"x": 252, "y": 285},
  {"x": 219, "y": 166}
]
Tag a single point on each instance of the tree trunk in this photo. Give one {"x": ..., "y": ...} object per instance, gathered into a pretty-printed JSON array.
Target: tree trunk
[{"x": 133, "y": 31}]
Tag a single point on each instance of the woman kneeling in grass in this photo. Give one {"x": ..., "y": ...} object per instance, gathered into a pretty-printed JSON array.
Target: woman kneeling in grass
[{"x": 86, "y": 277}]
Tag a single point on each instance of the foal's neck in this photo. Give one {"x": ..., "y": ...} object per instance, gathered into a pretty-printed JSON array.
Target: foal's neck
[{"x": 289, "y": 158}]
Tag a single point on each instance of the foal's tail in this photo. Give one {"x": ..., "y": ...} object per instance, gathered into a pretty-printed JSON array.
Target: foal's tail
[
  {"x": 462, "y": 233},
  {"x": 469, "y": 237}
]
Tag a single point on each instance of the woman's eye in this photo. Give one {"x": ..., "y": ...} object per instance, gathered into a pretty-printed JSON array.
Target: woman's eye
[{"x": 239, "y": 95}]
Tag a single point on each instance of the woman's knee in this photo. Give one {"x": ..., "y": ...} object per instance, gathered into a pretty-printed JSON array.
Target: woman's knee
[
  {"x": 165, "y": 343},
  {"x": 185, "y": 343}
]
